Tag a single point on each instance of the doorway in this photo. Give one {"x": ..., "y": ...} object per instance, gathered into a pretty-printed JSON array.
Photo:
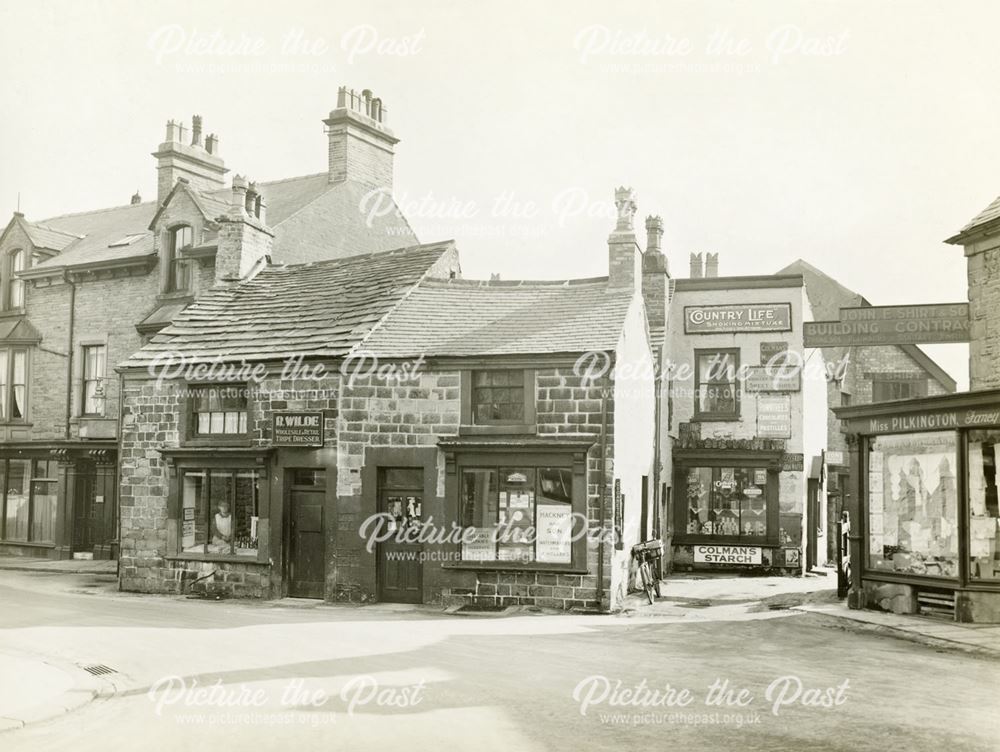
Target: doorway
[
  {"x": 307, "y": 545},
  {"x": 400, "y": 563}
]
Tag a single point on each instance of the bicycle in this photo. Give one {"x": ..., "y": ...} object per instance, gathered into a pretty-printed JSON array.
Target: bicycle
[{"x": 650, "y": 583}]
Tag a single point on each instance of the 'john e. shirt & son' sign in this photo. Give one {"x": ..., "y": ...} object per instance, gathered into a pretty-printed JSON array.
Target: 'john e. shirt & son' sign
[{"x": 742, "y": 317}]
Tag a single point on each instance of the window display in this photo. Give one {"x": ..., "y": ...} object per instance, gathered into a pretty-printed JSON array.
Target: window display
[
  {"x": 727, "y": 502},
  {"x": 984, "y": 515},
  {"x": 913, "y": 504},
  {"x": 517, "y": 514},
  {"x": 219, "y": 512}
]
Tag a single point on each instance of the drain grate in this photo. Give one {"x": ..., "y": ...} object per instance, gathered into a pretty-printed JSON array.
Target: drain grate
[{"x": 99, "y": 670}]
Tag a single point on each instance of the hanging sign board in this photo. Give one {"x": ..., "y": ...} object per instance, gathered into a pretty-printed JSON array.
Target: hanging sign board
[
  {"x": 891, "y": 325},
  {"x": 297, "y": 429},
  {"x": 749, "y": 317}
]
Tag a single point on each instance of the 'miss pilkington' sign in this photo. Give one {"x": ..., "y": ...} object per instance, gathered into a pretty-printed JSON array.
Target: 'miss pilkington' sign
[
  {"x": 297, "y": 429},
  {"x": 727, "y": 555},
  {"x": 742, "y": 317}
]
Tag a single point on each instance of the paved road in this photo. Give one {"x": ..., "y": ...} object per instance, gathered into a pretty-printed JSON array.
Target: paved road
[{"x": 333, "y": 678}]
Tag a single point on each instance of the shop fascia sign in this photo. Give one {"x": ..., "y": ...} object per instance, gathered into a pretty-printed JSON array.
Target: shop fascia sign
[
  {"x": 297, "y": 429},
  {"x": 935, "y": 420},
  {"x": 891, "y": 325},
  {"x": 739, "y": 317}
]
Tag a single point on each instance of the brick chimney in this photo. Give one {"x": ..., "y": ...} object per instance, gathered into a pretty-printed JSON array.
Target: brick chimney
[
  {"x": 199, "y": 164},
  {"x": 245, "y": 241},
  {"x": 696, "y": 266},
  {"x": 624, "y": 257},
  {"x": 711, "y": 264},
  {"x": 655, "y": 274},
  {"x": 360, "y": 144}
]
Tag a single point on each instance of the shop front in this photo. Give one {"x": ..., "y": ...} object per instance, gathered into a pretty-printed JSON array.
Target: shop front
[{"x": 929, "y": 534}]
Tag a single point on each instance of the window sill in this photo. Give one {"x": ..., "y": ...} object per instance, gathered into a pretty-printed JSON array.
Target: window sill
[
  {"x": 489, "y": 566},
  {"x": 232, "y": 440},
  {"x": 496, "y": 429},
  {"x": 11, "y": 312},
  {"x": 221, "y": 558}
]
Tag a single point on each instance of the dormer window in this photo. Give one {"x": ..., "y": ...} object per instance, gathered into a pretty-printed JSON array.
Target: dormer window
[
  {"x": 178, "y": 272},
  {"x": 15, "y": 285}
]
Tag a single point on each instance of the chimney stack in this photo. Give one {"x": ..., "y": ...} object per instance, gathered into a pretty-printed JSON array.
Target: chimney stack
[
  {"x": 624, "y": 259},
  {"x": 360, "y": 146},
  {"x": 136, "y": 198},
  {"x": 696, "y": 267},
  {"x": 200, "y": 165},
  {"x": 245, "y": 242},
  {"x": 711, "y": 264},
  {"x": 655, "y": 274}
]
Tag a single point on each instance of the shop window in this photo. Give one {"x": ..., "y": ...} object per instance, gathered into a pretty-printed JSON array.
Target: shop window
[
  {"x": 178, "y": 271},
  {"x": 886, "y": 390},
  {"x": 219, "y": 410},
  {"x": 984, "y": 515},
  {"x": 717, "y": 395},
  {"x": 913, "y": 504},
  {"x": 13, "y": 384},
  {"x": 220, "y": 510},
  {"x": 94, "y": 364},
  {"x": 30, "y": 500},
  {"x": 517, "y": 514},
  {"x": 728, "y": 502}
]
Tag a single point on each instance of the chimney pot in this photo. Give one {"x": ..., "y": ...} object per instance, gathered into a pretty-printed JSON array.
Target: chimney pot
[
  {"x": 196, "y": 130},
  {"x": 711, "y": 264},
  {"x": 625, "y": 204},
  {"x": 654, "y": 234},
  {"x": 136, "y": 198},
  {"x": 212, "y": 144},
  {"x": 696, "y": 266}
]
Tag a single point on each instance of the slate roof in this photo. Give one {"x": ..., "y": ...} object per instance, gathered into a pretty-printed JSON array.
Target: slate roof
[
  {"x": 313, "y": 220},
  {"x": 320, "y": 309},
  {"x": 469, "y": 317},
  {"x": 987, "y": 215}
]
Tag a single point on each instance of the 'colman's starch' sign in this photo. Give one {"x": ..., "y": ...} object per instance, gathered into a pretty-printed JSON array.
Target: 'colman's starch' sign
[
  {"x": 727, "y": 554},
  {"x": 748, "y": 317}
]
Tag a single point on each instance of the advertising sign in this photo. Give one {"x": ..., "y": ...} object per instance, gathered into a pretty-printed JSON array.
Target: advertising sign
[
  {"x": 297, "y": 429},
  {"x": 772, "y": 379},
  {"x": 774, "y": 416},
  {"x": 727, "y": 555},
  {"x": 749, "y": 317},
  {"x": 555, "y": 531},
  {"x": 768, "y": 350},
  {"x": 478, "y": 545},
  {"x": 891, "y": 325}
]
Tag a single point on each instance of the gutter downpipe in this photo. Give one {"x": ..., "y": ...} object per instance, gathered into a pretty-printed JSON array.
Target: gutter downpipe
[{"x": 69, "y": 352}]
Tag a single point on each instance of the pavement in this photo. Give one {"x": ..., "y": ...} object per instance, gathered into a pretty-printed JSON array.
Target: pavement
[
  {"x": 503, "y": 682},
  {"x": 60, "y": 566}
]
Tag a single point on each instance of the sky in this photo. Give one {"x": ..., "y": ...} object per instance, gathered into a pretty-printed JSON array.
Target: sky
[{"x": 855, "y": 135}]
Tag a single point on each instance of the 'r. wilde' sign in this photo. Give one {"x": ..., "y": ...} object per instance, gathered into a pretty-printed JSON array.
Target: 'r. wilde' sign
[{"x": 297, "y": 429}]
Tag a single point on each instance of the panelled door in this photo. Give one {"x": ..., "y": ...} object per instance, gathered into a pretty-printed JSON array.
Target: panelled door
[
  {"x": 400, "y": 565},
  {"x": 307, "y": 547}
]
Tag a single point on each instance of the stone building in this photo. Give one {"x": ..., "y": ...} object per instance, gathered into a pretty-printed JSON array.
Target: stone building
[
  {"x": 981, "y": 242},
  {"x": 466, "y": 442},
  {"x": 80, "y": 292},
  {"x": 744, "y": 436}
]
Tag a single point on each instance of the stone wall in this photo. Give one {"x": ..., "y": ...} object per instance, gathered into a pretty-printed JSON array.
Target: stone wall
[{"x": 984, "y": 310}]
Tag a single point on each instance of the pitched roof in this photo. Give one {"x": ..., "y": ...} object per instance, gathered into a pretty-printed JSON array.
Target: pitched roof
[
  {"x": 469, "y": 317},
  {"x": 314, "y": 220},
  {"x": 321, "y": 309},
  {"x": 986, "y": 216},
  {"x": 827, "y": 296}
]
